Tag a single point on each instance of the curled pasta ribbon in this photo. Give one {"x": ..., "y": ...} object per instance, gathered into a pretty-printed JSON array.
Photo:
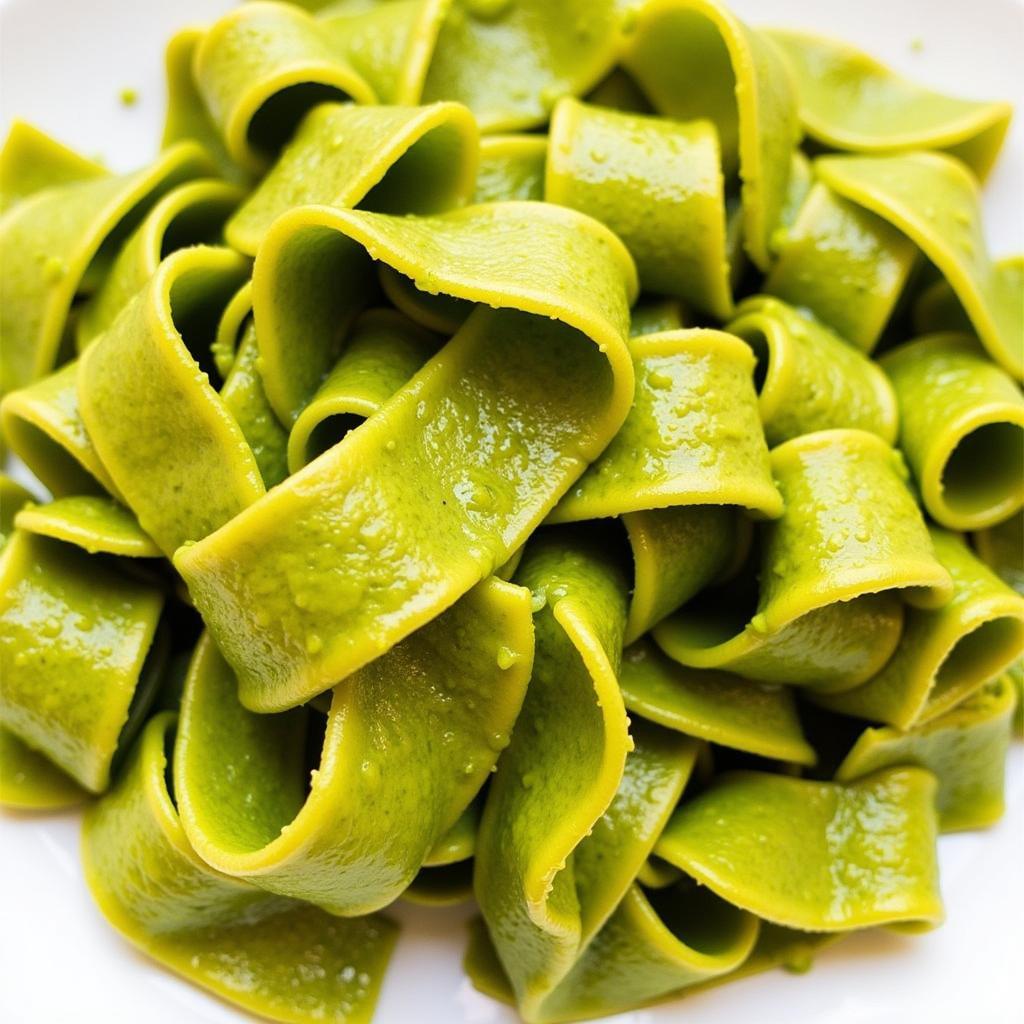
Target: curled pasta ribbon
[
  {"x": 382, "y": 354},
  {"x": 451, "y": 693},
  {"x": 271, "y": 956},
  {"x": 28, "y": 779},
  {"x": 570, "y": 818},
  {"x": 933, "y": 200},
  {"x": 242, "y": 86},
  {"x": 77, "y": 654},
  {"x": 849, "y": 101},
  {"x": 816, "y": 856},
  {"x": 965, "y": 749},
  {"x": 850, "y": 542},
  {"x": 713, "y": 706},
  {"x": 571, "y": 45},
  {"x": 810, "y": 379},
  {"x": 43, "y": 425},
  {"x": 93, "y": 522},
  {"x": 1001, "y": 547},
  {"x": 560, "y": 347},
  {"x": 690, "y": 456},
  {"x": 387, "y": 159},
  {"x": 962, "y": 430},
  {"x": 946, "y": 653},
  {"x": 695, "y": 59},
  {"x": 658, "y": 185},
  {"x": 511, "y": 167},
  {"x": 846, "y": 265},
  {"x": 155, "y": 420},
  {"x": 192, "y": 214},
  {"x": 66, "y": 219},
  {"x": 235, "y": 354}
]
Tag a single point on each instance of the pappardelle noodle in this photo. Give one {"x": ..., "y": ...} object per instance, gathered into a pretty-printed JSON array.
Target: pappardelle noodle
[{"x": 562, "y": 456}]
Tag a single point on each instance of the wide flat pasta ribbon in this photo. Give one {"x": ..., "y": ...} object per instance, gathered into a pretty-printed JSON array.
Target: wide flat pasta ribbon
[
  {"x": 817, "y": 856},
  {"x": 410, "y": 739},
  {"x": 511, "y": 167},
  {"x": 946, "y": 653},
  {"x": 452, "y": 440},
  {"x": 713, "y": 706},
  {"x": 1001, "y": 547},
  {"x": 271, "y": 956},
  {"x": 695, "y": 59},
  {"x": 43, "y": 425},
  {"x": 850, "y": 542},
  {"x": 658, "y": 185},
  {"x": 28, "y": 780},
  {"x": 849, "y": 101},
  {"x": 75, "y": 654},
  {"x": 67, "y": 220},
  {"x": 510, "y": 61},
  {"x": 965, "y": 749},
  {"x": 844, "y": 264},
  {"x": 688, "y": 460},
  {"x": 962, "y": 429},
  {"x": 388, "y": 159},
  {"x": 571, "y": 817},
  {"x": 933, "y": 199},
  {"x": 95, "y": 523},
  {"x": 809, "y": 378},
  {"x": 155, "y": 420}
]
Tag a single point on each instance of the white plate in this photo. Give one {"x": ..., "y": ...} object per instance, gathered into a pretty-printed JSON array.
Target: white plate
[{"x": 62, "y": 65}]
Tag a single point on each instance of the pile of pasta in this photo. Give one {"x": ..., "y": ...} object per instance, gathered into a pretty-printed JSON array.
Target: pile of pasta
[{"x": 563, "y": 455}]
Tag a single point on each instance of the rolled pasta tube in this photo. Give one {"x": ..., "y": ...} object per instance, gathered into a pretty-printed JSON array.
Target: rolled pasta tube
[
  {"x": 828, "y": 614},
  {"x": 962, "y": 429},
  {"x": 809, "y": 378},
  {"x": 946, "y": 653}
]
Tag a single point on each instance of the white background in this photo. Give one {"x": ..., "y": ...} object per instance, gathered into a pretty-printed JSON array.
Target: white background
[{"x": 62, "y": 65}]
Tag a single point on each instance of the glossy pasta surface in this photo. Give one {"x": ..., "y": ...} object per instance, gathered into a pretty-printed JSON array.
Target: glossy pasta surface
[{"x": 564, "y": 457}]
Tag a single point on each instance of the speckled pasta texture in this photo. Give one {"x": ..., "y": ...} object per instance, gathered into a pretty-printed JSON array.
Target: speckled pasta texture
[{"x": 561, "y": 456}]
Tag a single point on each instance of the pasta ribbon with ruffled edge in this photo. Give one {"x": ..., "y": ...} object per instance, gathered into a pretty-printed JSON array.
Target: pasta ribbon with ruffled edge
[
  {"x": 448, "y": 479},
  {"x": 79, "y": 654},
  {"x": 965, "y": 749},
  {"x": 946, "y": 653},
  {"x": 67, "y": 219},
  {"x": 962, "y": 429},
  {"x": 695, "y": 59},
  {"x": 809, "y": 378},
  {"x": 849, "y": 101},
  {"x": 850, "y": 543},
  {"x": 270, "y": 956}
]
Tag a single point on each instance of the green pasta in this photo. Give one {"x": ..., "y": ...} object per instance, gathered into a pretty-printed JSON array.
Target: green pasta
[{"x": 511, "y": 452}]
